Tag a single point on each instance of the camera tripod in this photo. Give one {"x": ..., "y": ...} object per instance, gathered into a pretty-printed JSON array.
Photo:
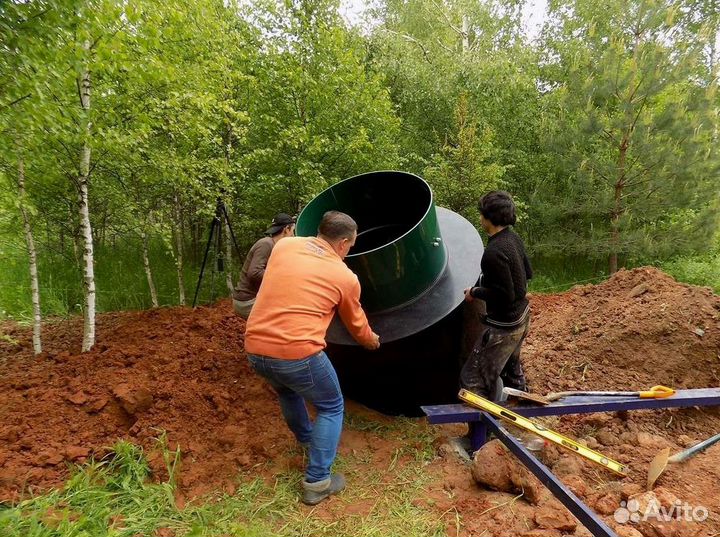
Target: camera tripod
[{"x": 216, "y": 229}]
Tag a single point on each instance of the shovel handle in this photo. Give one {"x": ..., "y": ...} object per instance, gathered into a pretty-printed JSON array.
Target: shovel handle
[
  {"x": 657, "y": 392},
  {"x": 694, "y": 450}
]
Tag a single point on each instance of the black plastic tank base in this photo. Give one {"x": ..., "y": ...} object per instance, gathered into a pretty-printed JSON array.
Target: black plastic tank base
[
  {"x": 413, "y": 261},
  {"x": 422, "y": 369}
]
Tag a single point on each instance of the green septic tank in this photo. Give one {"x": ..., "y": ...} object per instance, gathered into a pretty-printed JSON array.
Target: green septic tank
[
  {"x": 399, "y": 253},
  {"x": 413, "y": 260}
]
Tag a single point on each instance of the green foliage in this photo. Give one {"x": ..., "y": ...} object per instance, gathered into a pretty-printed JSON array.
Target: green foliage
[
  {"x": 464, "y": 166},
  {"x": 120, "y": 278},
  {"x": 321, "y": 116},
  {"x": 698, "y": 270},
  {"x": 605, "y": 130},
  {"x": 636, "y": 165}
]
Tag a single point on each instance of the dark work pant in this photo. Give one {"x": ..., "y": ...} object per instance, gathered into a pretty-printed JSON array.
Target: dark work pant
[{"x": 494, "y": 361}]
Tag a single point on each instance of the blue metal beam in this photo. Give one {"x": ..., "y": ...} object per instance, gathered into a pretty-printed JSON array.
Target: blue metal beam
[
  {"x": 459, "y": 413},
  {"x": 582, "y": 512}
]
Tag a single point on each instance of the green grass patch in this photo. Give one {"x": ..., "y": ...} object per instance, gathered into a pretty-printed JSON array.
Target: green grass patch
[
  {"x": 416, "y": 438},
  {"x": 554, "y": 275},
  {"x": 120, "y": 281},
  {"x": 697, "y": 270},
  {"x": 115, "y": 497}
]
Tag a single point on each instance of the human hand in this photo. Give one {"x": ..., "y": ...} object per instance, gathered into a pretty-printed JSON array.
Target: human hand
[
  {"x": 374, "y": 343},
  {"x": 468, "y": 296}
]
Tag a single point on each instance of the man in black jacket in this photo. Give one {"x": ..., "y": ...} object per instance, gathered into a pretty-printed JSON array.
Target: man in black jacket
[{"x": 495, "y": 359}]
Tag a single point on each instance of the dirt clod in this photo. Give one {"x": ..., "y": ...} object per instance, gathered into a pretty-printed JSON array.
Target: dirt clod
[
  {"x": 495, "y": 467},
  {"x": 134, "y": 399},
  {"x": 553, "y": 515}
]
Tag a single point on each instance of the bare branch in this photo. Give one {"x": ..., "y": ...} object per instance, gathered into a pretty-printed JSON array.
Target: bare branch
[
  {"x": 447, "y": 19},
  {"x": 444, "y": 47},
  {"x": 413, "y": 40},
  {"x": 18, "y": 100}
]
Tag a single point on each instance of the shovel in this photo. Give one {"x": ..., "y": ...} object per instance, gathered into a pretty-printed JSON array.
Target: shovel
[
  {"x": 662, "y": 459},
  {"x": 656, "y": 392}
]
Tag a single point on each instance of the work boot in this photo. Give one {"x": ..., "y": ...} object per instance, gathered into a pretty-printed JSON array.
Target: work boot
[{"x": 314, "y": 493}]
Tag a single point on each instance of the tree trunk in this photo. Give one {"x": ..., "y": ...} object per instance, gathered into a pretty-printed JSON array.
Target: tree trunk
[
  {"x": 465, "y": 34},
  {"x": 714, "y": 64},
  {"x": 76, "y": 247},
  {"x": 617, "y": 208},
  {"x": 225, "y": 222},
  {"x": 148, "y": 271},
  {"x": 615, "y": 233},
  {"x": 620, "y": 182},
  {"x": 37, "y": 343},
  {"x": 228, "y": 258},
  {"x": 195, "y": 236},
  {"x": 85, "y": 227},
  {"x": 177, "y": 232}
]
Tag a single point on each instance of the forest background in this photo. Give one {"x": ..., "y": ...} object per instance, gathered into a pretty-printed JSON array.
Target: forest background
[{"x": 123, "y": 121}]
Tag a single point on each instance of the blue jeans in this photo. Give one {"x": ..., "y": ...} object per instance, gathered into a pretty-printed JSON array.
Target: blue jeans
[{"x": 314, "y": 380}]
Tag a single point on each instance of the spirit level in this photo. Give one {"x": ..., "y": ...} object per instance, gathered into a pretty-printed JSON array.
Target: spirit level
[{"x": 535, "y": 428}]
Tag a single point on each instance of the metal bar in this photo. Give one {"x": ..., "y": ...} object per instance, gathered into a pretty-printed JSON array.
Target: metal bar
[
  {"x": 582, "y": 512},
  {"x": 478, "y": 435},
  {"x": 202, "y": 268},
  {"x": 453, "y": 413},
  {"x": 459, "y": 413}
]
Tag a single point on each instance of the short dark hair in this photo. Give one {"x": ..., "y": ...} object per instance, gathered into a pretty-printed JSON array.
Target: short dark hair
[
  {"x": 336, "y": 225},
  {"x": 498, "y": 207}
]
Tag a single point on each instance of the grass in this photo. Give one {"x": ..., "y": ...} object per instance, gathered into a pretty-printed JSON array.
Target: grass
[
  {"x": 416, "y": 438},
  {"x": 114, "y": 497},
  {"x": 120, "y": 281},
  {"x": 696, "y": 270},
  {"x": 554, "y": 275}
]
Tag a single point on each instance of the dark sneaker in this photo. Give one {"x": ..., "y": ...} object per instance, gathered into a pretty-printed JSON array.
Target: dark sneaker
[{"x": 314, "y": 493}]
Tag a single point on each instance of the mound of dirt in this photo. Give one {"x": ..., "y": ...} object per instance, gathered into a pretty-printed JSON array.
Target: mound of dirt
[
  {"x": 638, "y": 329},
  {"x": 183, "y": 371},
  {"x": 174, "y": 370}
]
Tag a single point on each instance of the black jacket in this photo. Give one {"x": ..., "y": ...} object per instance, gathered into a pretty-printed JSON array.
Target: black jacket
[{"x": 503, "y": 285}]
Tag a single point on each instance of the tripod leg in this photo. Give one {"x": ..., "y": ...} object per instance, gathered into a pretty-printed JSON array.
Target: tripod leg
[
  {"x": 232, "y": 233},
  {"x": 220, "y": 265},
  {"x": 219, "y": 248},
  {"x": 202, "y": 269}
]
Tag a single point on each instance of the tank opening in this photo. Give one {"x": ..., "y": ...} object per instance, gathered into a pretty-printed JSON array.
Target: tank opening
[{"x": 385, "y": 205}]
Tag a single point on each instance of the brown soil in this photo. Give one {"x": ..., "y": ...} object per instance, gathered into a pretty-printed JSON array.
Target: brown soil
[{"x": 184, "y": 372}]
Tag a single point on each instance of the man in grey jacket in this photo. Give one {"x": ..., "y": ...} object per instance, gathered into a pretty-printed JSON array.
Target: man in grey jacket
[{"x": 253, "y": 269}]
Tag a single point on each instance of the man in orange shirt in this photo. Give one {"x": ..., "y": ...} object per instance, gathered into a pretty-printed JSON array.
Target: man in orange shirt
[{"x": 305, "y": 282}]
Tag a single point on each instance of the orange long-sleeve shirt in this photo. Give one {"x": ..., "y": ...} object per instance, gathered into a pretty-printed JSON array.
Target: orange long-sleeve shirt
[{"x": 305, "y": 282}]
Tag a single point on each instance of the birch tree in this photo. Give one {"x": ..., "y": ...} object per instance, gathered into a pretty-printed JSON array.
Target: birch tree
[
  {"x": 23, "y": 73},
  {"x": 32, "y": 252},
  {"x": 84, "y": 92}
]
